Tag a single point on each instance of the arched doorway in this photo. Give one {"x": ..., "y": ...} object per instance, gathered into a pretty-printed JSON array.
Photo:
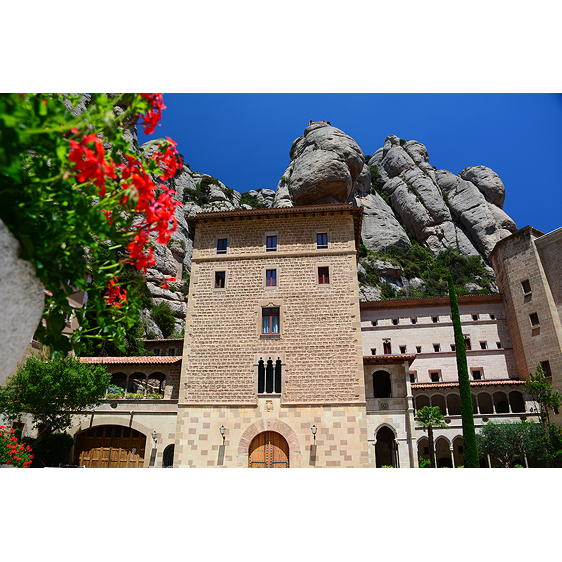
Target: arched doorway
[
  {"x": 168, "y": 457},
  {"x": 386, "y": 450},
  {"x": 110, "y": 446},
  {"x": 268, "y": 449}
]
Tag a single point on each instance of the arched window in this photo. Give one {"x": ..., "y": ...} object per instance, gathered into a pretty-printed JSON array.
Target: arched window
[
  {"x": 381, "y": 384},
  {"x": 168, "y": 460},
  {"x": 269, "y": 376}
]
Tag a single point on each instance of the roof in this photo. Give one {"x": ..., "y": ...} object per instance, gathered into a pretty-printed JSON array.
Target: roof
[
  {"x": 452, "y": 384},
  {"x": 386, "y": 359},
  {"x": 357, "y": 213},
  {"x": 144, "y": 360},
  {"x": 168, "y": 340},
  {"x": 430, "y": 302}
]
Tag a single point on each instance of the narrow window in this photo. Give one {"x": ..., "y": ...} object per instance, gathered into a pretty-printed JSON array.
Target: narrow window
[
  {"x": 271, "y": 245},
  {"x": 269, "y": 376},
  {"x": 395, "y": 321},
  {"x": 483, "y": 345},
  {"x": 414, "y": 320},
  {"x": 499, "y": 344},
  {"x": 467, "y": 344},
  {"x": 418, "y": 348},
  {"x": 387, "y": 348},
  {"x": 546, "y": 368},
  {"x": 270, "y": 320},
  {"x": 476, "y": 375},
  {"x": 526, "y": 286},
  {"x": 171, "y": 351},
  {"x": 492, "y": 316},
  {"x": 374, "y": 322},
  {"x": 271, "y": 278},
  {"x": 436, "y": 347},
  {"x": 434, "y": 377},
  {"x": 453, "y": 348},
  {"x": 221, "y": 246},
  {"x": 156, "y": 351},
  {"x": 435, "y": 319},
  {"x": 534, "y": 319},
  {"x": 323, "y": 275},
  {"x": 475, "y": 317},
  {"x": 220, "y": 279},
  {"x": 412, "y": 377},
  {"x": 261, "y": 376},
  {"x": 402, "y": 349},
  {"x": 373, "y": 351},
  {"x": 277, "y": 385},
  {"x": 322, "y": 241}
]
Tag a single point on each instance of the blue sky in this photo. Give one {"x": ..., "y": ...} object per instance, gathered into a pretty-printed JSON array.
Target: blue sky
[{"x": 244, "y": 139}]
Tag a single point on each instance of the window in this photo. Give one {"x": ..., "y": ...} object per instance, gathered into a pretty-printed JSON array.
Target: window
[
  {"x": 526, "y": 286},
  {"x": 269, "y": 376},
  {"x": 475, "y": 317},
  {"x": 534, "y": 319},
  {"x": 477, "y": 375},
  {"x": 382, "y": 387},
  {"x": 373, "y": 351},
  {"x": 434, "y": 376},
  {"x": 499, "y": 344},
  {"x": 546, "y": 368},
  {"x": 467, "y": 344},
  {"x": 156, "y": 351},
  {"x": 270, "y": 320},
  {"x": 271, "y": 278},
  {"x": 453, "y": 347},
  {"x": 492, "y": 316},
  {"x": 412, "y": 376},
  {"x": 402, "y": 349},
  {"x": 483, "y": 345},
  {"x": 323, "y": 275},
  {"x": 395, "y": 321},
  {"x": 414, "y": 320},
  {"x": 220, "y": 279},
  {"x": 374, "y": 322},
  {"x": 435, "y": 319},
  {"x": 418, "y": 348},
  {"x": 387, "y": 349},
  {"x": 171, "y": 351},
  {"x": 322, "y": 241},
  {"x": 436, "y": 347},
  {"x": 221, "y": 245},
  {"x": 271, "y": 244}
]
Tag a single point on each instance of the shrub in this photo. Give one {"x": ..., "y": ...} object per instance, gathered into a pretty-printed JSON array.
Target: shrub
[
  {"x": 134, "y": 396},
  {"x": 164, "y": 317},
  {"x": 155, "y": 396}
]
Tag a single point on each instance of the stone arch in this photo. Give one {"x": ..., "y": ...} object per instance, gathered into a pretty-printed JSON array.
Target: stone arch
[
  {"x": 443, "y": 452},
  {"x": 385, "y": 424},
  {"x": 386, "y": 447},
  {"x": 269, "y": 424}
]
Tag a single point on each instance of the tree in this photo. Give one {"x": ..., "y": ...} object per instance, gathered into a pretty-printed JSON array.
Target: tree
[
  {"x": 52, "y": 391},
  {"x": 548, "y": 399},
  {"x": 70, "y": 182},
  {"x": 431, "y": 417},
  {"x": 510, "y": 441},
  {"x": 470, "y": 447}
]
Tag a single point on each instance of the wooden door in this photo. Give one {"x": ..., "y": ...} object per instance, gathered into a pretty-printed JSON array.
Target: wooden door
[
  {"x": 110, "y": 446},
  {"x": 269, "y": 450}
]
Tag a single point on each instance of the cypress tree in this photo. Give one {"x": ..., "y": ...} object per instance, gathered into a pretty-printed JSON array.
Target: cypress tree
[{"x": 470, "y": 448}]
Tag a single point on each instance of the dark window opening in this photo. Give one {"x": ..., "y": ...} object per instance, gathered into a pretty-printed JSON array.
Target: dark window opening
[
  {"x": 483, "y": 345},
  {"x": 492, "y": 316},
  {"x": 434, "y": 377},
  {"x": 414, "y": 320},
  {"x": 269, "y": 377},
  {"x": 436, "y": 347},
  {"x": 171, "y": 351},
  {"x": 534, "y": 319},
  {"x": 526, "y": 286},
  {"x": 453, "y": 347},
  {"x": 476, "y": 375},
  {"x": 322, "y": 240},
  {"x": 168, "y": 460},
  {"x": 546, "y": 368},
  {"x": 412, "y": 377},
  {"x": 395, "y": 321},
  {"x": 435, "y": 319},
  {"x": 475, "y": 316},
  {"x": 220, "y": 279},
  {"x": 381, "y": 384},
  {"x": 221, "y": 246},
  {"x": 373, "y": 351},
  {"x": 271, "y": 278},
  {"x": 271, "y": 245},
  {"x": 402, "y": 349},
  {"x": 323, "y": 275},
  {"x": 374, "y": 322},
  {"x": 418, "y": 349},
  {"x": 387, "y": 348},
  {"x": 499, "y": 344},
  {"x": 467, "y": 344}
]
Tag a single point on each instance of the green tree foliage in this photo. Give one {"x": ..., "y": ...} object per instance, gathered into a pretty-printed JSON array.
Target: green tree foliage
[
  {"x": 549, "y": 400},
  {"x": 251, "y": 200},
  {"x": 53, "y": 449},
  {"x": 52, "y": 391},
  {"x": 470, "y": 447},
  {"x": 509, "y": 443},
  {"x": 430, "y": 417},
  {"x": 164, "y": 317}
]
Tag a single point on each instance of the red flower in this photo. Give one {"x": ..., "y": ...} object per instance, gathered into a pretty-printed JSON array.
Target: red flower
[
  {"x": 165, "y": 283},
  {"x": 91, "y": 164},
  {"x": 170, "y": 160},
  {"x": 115, "y": 295},
  {"x": 154, "y": 114}
]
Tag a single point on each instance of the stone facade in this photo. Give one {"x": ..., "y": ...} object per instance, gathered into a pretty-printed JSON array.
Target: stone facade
[{"x": 528, "y": 268}]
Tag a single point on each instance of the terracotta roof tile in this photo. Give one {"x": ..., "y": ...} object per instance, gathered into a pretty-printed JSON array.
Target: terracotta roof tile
[
  {"x": 499, "y": 382},
  {"x": 146, "y": 360}
]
